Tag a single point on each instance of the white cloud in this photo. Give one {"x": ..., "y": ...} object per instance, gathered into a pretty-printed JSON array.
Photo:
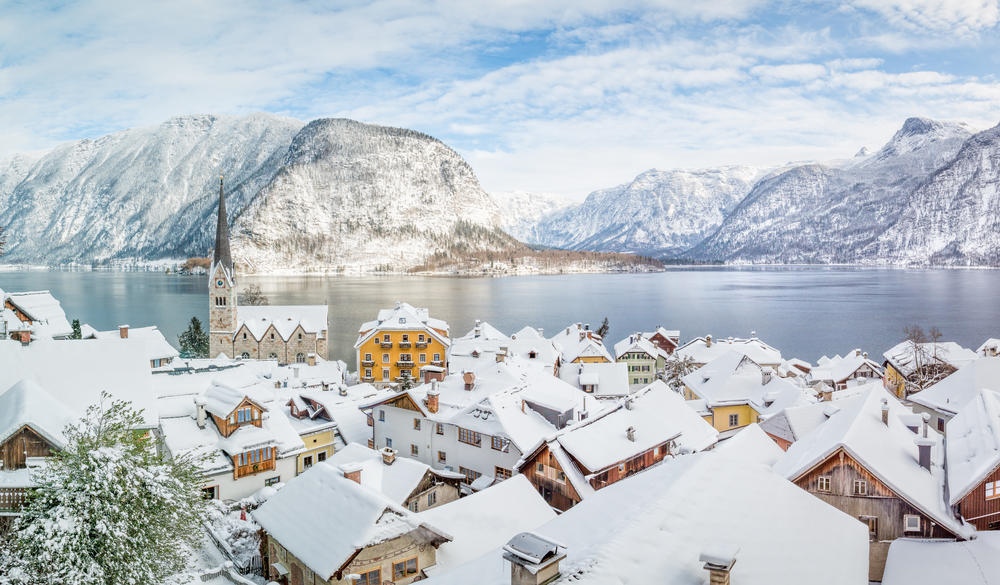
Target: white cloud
[{"x": 955, "y": 17}]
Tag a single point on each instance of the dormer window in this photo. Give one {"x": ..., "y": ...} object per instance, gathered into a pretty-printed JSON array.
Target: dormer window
[
  {"x": 245, "y": 415},
  {"x": 402, "y": 320}
]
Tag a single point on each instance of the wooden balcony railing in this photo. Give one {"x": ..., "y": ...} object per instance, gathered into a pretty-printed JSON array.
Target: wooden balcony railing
[
  {"x": 260, "y": 467},
  {"x": 12, "y": 499}
]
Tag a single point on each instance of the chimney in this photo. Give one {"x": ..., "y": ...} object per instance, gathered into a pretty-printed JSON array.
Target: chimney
[
  {"x": 630, "y": 433},
  {"x": 765, "y": 376},
  {"x": 924, "y": 451},
  {"x": 388, "y": 455},
  {"x": 857, "y": 353},
  {"x": 477, "y": 331},
  {"x": 470, "y": 380},
  {"x": 199, "y": 403},
  {"x": 432, "y": 398},
  {"x": 708, "y": 341},
  {"x": 926, "y": 418},
  {"x": 343, "y": 391},
  {"x": 352, "y": 471},
  {"x": 885, "y": 411},
  {"x": 311, "y": 359},
  {"x": 534, "y": 559},
  {"x": 502, "y": 355},
  {"x": 123, "y": 331},
  {"x": 719, "y": 561},
  {"x": 628, "y": 404}
]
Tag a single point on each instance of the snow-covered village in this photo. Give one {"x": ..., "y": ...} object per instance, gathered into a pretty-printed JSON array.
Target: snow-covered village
[{"x": 559, "y": 292}]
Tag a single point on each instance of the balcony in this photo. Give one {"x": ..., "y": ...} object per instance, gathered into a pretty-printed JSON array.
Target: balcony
[
  {"x": 404, "y": 364},
  {"x": 405, "y": 345},
  {"x": 12, "y": 499},
  {"x": 260, "y": 467},
  {"x": 438, "y": 363},
  {"x": 421, "y": 345},
  {"x": 367, "y": 363},
  {"x": 368, "y": 379}
]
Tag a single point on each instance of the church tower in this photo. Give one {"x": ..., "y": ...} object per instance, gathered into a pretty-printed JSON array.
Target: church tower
[{"x": 221, "y": 289}]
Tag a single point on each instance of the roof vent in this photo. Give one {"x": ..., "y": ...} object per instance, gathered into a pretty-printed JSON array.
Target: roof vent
[
  {"x": 534, "y": 559},
  {"x": 630, "y": 433}
]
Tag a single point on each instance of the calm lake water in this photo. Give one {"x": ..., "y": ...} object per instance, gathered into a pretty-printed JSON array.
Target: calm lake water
[{"x": 804, "y": 312}]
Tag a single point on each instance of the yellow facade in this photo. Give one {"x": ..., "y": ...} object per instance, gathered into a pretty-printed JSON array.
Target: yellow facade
[
  {"x": 387, "y": 354},
  {"x": 591, "y": 359},
  {"x": 319, "y": 447},
  {"x": 722, "y": 416},
  {"x": 894, "y": 381}
]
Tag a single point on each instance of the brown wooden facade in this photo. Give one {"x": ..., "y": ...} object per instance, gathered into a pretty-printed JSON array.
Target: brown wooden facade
[
  {"x": 228, "y": 425},
  {"x": 882, "y": 509},
  {"x": 21, "y": 445},
  {"x": 254, "y": 461},
  {"x": 21, "y": 315},
  {"x": 979, "y": 510}
]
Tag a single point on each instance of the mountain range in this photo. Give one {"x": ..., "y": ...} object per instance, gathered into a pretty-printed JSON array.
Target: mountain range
[{"x": 336, "y": 195}]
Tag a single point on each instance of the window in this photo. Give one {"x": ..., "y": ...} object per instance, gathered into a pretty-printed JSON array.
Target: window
[
  {"x": 471, "y": 475},
  {"x": 823, "y": 483},
  {"x": 911, "y": 523},
  {"x": 440, "y": 428},
  {"x": 432, "y": 498},
  {"x": 860, "y": 487},
  {"x": 371, "y": 419},
  {"x": 220, "y": 301},
  {"x": 385, "y": 338},
  {"x": 385, "y": 373},
  {"x": 442, "y": 456},
  {"x": 416, "y": 424},
  {"x": 371, "y": 578},
  {"x": 272, "y": 480},
  {"x": 368, "y": 357},
  {"x": 244, "y": 415},
  {"x": 368, "y": 372},
  {"x": 437, "y": 357},
  {"x": 497, "y": 443},
  {"x": 307, "y": 462},
  {"x": 406, "y": 338},
  {"x": 561, "y": 477},
  {"x": 388, "y": 442},
  {"x": 404, "y": 569},
  {"x": 414, "y": 505},
  {"x": 300, "y": 336},
  {"x": 540, "y": 468},
  {"x": 414, "y": 450},
  {"x": 872, "y": 522},
  {"x": 300, "y": 358},
  {"x": 423, "y": 358},
  {"x": 501, "y": 473},
  {"x": 244, "y": 335},
  {"x": 385, "y": 358},
  {"x": 272, "y": 356},
  {"x": 272, "y": 336},
  {"x": 470, "y": 437},
  {"x": 734, "y": 420},
  {"x": 405, "y": 357},
  {"x": 420, "y": 338},
  {"x": 992, "y": 490},
  {"x": 321, "y": 456},
  {"x": 245, "y": 355}
]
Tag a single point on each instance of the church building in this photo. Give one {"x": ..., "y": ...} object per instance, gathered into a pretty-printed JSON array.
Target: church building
[{"x": 284, "y": 333}]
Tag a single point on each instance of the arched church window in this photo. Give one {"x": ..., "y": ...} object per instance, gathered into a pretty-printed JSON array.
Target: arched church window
[
  {"x": 300, "y": 358},
  {"x": 272, "y": 356},
  {"x": 245, "y": 355}
]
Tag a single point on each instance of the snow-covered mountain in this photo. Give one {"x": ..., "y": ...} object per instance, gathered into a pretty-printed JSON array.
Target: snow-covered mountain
[
  {"x": 660, "y": 213},
  {"x": 317, "y": 196},
  {"x": 843, "y": 213},
  {"x": 521, "y": 212}
]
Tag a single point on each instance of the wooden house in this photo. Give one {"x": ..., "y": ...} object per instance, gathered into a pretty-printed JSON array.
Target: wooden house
[
  {"x": 638, "y": 433},
  {"x": 667, "y": 340},
  {"x": 868, "y": 461},
  {"x": 840, "y": 372},
  {"x": 355, "y": 532},
  {"x": 911, "y": 367},
  {"x": 974, "y": 461},
  {"x": 254, "y": 450}
]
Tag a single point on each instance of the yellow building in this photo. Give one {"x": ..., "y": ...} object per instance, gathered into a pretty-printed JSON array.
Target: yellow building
[{"x": 398, "y": 343}]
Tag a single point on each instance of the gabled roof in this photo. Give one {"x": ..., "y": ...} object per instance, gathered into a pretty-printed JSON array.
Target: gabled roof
[
  {"x": 653, "y": 527},
  {"x": 886, "y": 451},
  {"x": 734, "y": 378},
  {"x": 575, "y": 342},
  {"x": 973, "y": 444},
  {"x": 636, "y": 343},
  {"x": 26, "y": 403},
  {"x": 751, "y": 443},
  {"x": 42, "y": 308},
  {"x": 611, "y": 379},
  {"x": 396, "y": 481},
  {"x": 324, "y": 519},
  {"x": 952, "y": 393},
  {"x": 285, "y": 319},
  {"x": 795, "y": 422},
  {"x": 837, "y": 368},
  {"x": 221, "y": 400},
  {"x": 150, "y": 337},
  {"x": 990, "y": 347},
  {"x": 703, "y": 351},
  {"x": 404, "y": 317},
  {"x": 902, "y": 356}
]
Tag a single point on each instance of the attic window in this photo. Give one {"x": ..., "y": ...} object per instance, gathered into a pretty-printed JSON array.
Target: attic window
[
  {"x": 402, "y": 320},
  {"x": 992, "y": 490},
  {"x": 823, "y": 483},
  {"x": 911, "y": 523},
  {"x": 860, "y": 487}
]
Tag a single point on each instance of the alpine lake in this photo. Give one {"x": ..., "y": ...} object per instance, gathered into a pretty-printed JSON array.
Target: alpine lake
[{"x": 806, "y": 312}]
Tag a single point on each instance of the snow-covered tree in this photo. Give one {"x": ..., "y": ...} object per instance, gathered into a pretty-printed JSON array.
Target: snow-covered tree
[
  {"x": 194, "y": 340},
  {"x": 106, "y": 510},
  {"x": 676, "y": 368}
]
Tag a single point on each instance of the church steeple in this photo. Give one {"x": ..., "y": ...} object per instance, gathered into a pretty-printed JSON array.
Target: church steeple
[{"x": 222, "y": 255}]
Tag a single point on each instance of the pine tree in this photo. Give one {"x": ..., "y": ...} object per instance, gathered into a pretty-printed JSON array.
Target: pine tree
[
  {"x": 77, "y": 331},
  {"x": 194, "y": 340},
  {"x": 604, "y": 328},
  {"x": 107, "y": 509}
]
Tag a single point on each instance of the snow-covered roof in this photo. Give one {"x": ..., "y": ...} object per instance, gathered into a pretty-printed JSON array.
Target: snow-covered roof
[
  {"x": 794, "y": 422},
  {"x": 323, "y": 519},
  {"x": 396, "y": 481},
  {"x": 506, "y": 508},
  {"x": 751, "y": 443},
  {"x": 285, "y": 319},
  {"x": 734, "y": 378},
  {"x": 26, "y": 403},
  {"x": 989, "y": 348},
  {"x": 914, "y": 561},
  {"x": 703, "y": 350},
  {"x": 837, "y": 368},
  {"x": 903, "y": 356},
  {"x": 576, "y": 342},
  {"x": 634, "y": 533},
  {"x": 973, "y": 444},
  {"x": 152, "y": 339},
  {"x": 887, "y": 451},
  {"x": 222, "y": 399},
  {"x": 952, "y": 393},
  {"x": 44, "y": 309},
  {"x": 639, "y": 344},
  {"x": 656, "y": 414},
  {"x": 75, "y": 372},
  {"x": 608, "y": 379}
]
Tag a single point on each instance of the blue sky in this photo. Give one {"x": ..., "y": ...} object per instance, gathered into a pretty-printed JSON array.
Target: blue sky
[{"x": 561, "y": 96}]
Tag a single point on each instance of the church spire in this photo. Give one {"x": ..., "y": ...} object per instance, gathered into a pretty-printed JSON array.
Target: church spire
[{"x": 222, "y": 255}]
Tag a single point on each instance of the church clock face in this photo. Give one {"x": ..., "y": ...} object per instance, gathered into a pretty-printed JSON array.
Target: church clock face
[{"x": 219, "y": 282}]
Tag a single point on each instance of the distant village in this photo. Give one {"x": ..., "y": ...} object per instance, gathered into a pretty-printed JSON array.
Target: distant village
[{"x": 532, "y": 457}]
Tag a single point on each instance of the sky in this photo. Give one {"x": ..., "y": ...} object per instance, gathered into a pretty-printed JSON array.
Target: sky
[{"x": 553, "y": 96}]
